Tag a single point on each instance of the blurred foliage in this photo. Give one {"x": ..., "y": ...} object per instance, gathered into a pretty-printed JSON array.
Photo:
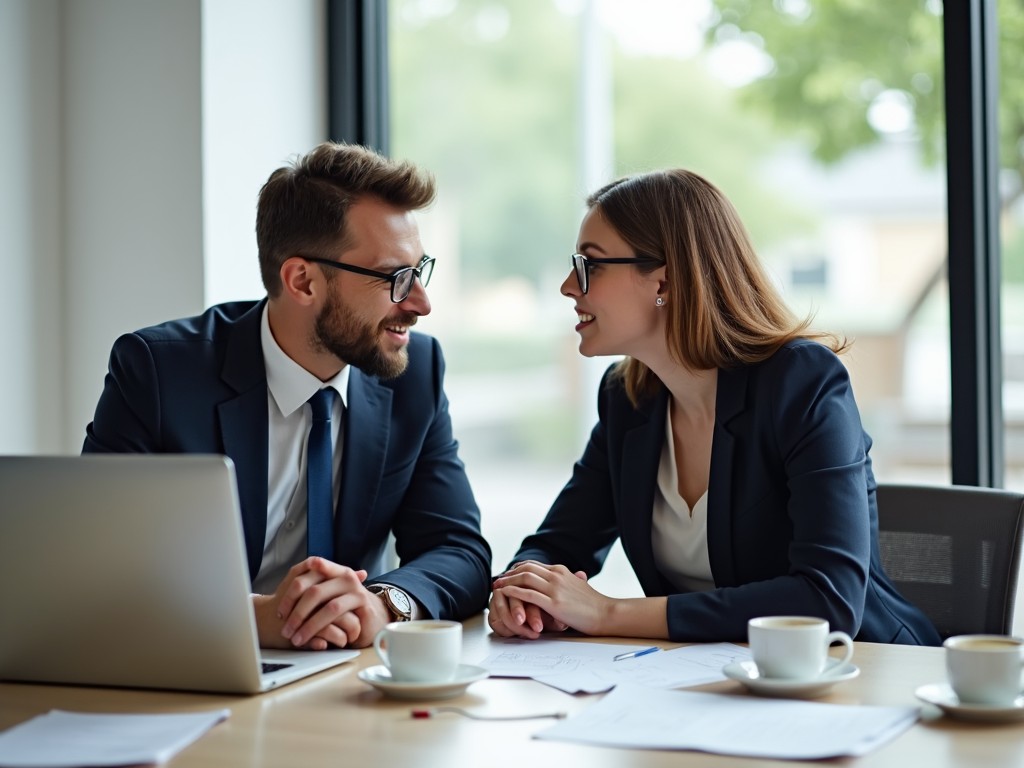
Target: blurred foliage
[
  {"x": 682, "y": 117},
  {"x": 485, "y": 94},
  {"x": 832, "y": 58},
  {"x": 1013, "y": 257},
  {"x": 489, "y": 353},
  {"x": 478, "y": 95},
  {"x": 548, "y": 433}
]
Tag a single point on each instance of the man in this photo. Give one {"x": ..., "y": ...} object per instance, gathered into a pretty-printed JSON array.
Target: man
[{"x": 345, "y": 272}]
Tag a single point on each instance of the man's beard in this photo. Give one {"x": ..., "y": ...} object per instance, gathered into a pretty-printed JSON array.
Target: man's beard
[{"x": 344, "y": 335}]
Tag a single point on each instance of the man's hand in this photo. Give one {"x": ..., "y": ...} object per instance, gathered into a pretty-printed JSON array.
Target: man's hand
[{"x": 318, "y": 604}]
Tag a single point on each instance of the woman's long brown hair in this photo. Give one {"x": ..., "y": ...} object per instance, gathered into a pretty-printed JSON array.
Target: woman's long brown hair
[{"x": 724, "y": 310}]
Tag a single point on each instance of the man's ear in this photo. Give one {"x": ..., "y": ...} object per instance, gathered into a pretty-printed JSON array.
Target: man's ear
[{"x": 299, "y": 280}]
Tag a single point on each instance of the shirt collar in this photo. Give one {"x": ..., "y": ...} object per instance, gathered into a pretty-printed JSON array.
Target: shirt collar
[{"x": 290, "y": 384}]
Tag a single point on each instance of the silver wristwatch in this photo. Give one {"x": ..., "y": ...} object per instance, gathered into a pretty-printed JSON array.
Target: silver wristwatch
[{"x": 395, "y": 600}]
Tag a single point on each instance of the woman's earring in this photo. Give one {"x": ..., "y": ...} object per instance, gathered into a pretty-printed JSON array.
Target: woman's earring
[{"x": 660, "y": 302}]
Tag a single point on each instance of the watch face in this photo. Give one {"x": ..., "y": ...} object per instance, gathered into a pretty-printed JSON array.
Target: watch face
[{"x": 400, "y": 601}]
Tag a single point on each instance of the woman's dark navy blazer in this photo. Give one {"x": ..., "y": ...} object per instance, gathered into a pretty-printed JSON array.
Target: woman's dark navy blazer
[{"x": 792, "y": 518}]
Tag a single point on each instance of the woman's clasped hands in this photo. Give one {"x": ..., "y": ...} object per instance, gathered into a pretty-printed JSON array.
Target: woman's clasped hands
[{"x": 532, "y": 597}]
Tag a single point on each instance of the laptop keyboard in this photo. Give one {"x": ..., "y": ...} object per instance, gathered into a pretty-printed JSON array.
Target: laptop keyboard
[{"x": 269, "y": 667}]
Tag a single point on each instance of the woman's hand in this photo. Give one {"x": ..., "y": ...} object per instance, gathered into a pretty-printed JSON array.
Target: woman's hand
[
  {"x": 533, "y": 597},
  {"x": 510, "y": 617}
]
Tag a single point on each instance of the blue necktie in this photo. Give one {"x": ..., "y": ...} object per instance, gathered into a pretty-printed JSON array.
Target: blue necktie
[{"x": 319, "y": 488}]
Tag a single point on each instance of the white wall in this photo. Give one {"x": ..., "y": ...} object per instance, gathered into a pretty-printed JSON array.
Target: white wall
[
  {"x": 32, "y": 305},
  {"x": 264, "y": 101},
  {"x": 132, "y": 179},
  {"x": 138, "y": 133}
]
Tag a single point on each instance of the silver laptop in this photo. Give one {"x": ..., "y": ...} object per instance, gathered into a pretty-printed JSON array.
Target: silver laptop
[{"x": 130, "y": 570}]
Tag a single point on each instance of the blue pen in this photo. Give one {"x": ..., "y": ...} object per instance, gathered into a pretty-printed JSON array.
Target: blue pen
[{"x": 634, "y": 654}]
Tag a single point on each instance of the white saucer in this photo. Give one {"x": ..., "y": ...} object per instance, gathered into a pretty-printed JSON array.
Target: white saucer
[
  {"x": 380, "y": 678},
  {"x": 943, "y": 697},
  {"x": 746, "y": 672}
]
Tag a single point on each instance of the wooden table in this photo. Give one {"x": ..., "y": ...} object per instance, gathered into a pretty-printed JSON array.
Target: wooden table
[{"x": 335, "y": 719}]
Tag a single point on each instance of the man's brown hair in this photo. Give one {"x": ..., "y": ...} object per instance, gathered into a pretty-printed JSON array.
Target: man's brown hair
[{"x": 302, "y": 207}]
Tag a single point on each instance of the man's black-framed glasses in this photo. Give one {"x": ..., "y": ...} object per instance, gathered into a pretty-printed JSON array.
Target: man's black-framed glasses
[
  {"x": 401, "y": 280},
  {"x": 581, "y": 265}
]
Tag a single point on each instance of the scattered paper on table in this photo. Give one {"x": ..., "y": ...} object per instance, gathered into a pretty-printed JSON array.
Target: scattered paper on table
[
  {"x": 589, "y": 667},
  {"x": 62, "y": 739},
  {"x": 535, "y": 658},
  {"x": 643, "y": 718},
  {"x": 678, "y": 668}
]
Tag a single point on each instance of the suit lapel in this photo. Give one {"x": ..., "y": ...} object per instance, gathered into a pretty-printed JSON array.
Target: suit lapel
[
  {"x": 367, "y": 427},
  {"x": 244, "y": 428},
  {"x": 731, "y": 400},
  {"x": 642, "y": 444}
]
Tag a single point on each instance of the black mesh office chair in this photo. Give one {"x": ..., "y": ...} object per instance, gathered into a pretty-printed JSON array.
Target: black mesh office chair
[{"x": 954, "y": 551}]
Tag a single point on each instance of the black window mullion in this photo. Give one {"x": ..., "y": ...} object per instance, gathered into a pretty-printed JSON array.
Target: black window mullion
[
  {"x": 357, "y": 73},
  {"x": 971, "y": 91}
]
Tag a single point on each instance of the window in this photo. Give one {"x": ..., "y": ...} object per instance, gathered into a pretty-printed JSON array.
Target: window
[
  {"x": 827, "y": 136},
  {"x": 1011, "y": 105}
]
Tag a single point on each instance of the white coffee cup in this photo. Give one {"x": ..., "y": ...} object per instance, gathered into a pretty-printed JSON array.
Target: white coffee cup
[
  {"x": 795, "y": 647},
  {"x": 985, "y": 669},
  {"x": 426, "y": 651}
]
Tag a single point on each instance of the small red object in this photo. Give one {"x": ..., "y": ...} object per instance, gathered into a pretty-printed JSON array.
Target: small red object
[{"x": 420, "y": 714}]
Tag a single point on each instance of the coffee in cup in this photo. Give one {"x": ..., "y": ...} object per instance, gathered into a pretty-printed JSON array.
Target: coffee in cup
[
  {"x": 425, "y": 651},
  {"x": 985, "y": 669},
  {"x": 795, "y": 647}
]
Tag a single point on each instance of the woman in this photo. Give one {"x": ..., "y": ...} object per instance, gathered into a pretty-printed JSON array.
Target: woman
[{"x": 729, "y": 455}]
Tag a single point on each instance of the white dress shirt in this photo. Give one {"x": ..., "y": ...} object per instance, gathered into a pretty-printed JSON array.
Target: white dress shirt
[{"x": 289, "y": 386}]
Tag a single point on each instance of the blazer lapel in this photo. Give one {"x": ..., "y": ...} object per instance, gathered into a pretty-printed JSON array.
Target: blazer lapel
[
  {"x": 244, "y": 428},
  {"x": 367, "y": 427},
  {"x": 731, "y": 400},
  {"x": 641, "y": 454}
]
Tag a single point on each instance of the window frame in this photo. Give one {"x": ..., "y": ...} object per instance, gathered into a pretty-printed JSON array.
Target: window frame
[
  {"x": 358, "y": 94},
  {"x": 977, "y": 431}
]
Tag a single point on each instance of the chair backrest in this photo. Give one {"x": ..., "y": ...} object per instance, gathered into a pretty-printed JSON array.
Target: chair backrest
[{"x": 954, "y": 551}]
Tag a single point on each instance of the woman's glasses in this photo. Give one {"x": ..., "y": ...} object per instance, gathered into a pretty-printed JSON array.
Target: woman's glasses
[{"x": 582, "y": 265}]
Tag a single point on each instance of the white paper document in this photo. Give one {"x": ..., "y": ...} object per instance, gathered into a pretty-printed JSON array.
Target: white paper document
[
  {"x": 678, "y": 668},
  {"x": 590, "y": 668},
  {"x": 62, "y": 739},
  {"x": 641, "y": 718},
  {"x": 542, "y": 658}
]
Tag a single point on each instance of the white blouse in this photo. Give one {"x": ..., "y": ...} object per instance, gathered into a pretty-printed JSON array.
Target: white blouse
[{"x": 679, "y": 535}]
